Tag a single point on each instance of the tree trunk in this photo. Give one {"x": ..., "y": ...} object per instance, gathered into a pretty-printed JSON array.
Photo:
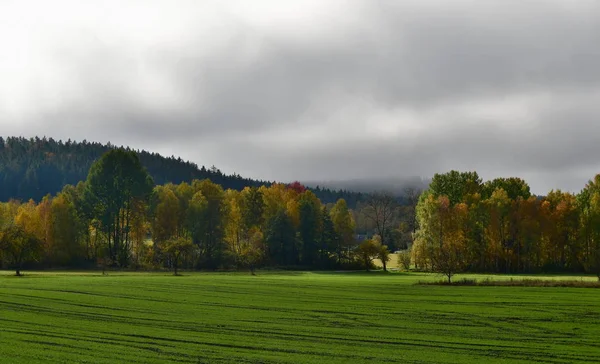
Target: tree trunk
[
  {"x": 18, "y": 272},
  {"x": 175, "y": 263},
  {"x": 384, "y": 266}
]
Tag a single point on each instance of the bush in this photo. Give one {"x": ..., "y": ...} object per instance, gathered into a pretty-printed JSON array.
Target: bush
[{"x": 404, "y": 260}]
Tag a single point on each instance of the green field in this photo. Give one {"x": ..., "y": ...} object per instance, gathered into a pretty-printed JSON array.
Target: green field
[{"x": 290, "y": 318}]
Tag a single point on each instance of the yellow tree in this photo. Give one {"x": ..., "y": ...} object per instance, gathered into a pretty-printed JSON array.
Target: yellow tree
[
  {"x": 64, "y": 235},
  {"x": 561, "y": 246},
  {"x": 234, "y": 227},
  {"x": 430, "y": 232},
  {"x": 275, "y": 198},
  {"x": 368, "y": 250},
  {"x": 448, "y": 258},
  {"x": 165, "y": 219},
  {"x": 343, "y": 223},
  {"x": 528, "y": 219}
]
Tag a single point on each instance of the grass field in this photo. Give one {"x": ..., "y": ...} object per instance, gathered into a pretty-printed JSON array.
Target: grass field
[{"x": 290, "y": 318}]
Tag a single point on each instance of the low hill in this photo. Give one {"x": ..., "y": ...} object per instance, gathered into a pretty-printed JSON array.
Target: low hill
[{"x": 32, "y": 168}]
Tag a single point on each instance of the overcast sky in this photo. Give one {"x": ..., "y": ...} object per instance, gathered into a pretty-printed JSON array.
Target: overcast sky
[{"x": 315, "y": 90}]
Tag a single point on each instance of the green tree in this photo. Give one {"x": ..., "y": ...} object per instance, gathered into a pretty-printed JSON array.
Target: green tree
[
  {"x": 19, "y": 246},
  {"x": 210, "y": 227},
  {"x": 328, "y": 238},
  {"x": 253, "y": 207},
  {"x": 281, "y": 239},
  {"x": 514, "y": 187},
  {"x": 455, "y": 185},
  {"x": 114, "y": 183},
  {"x": 174, "y": 250},
  {"x": 310, "y": 209}
]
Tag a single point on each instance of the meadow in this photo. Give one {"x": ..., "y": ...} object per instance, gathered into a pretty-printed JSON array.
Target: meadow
[{"x": 290, "y": 317}]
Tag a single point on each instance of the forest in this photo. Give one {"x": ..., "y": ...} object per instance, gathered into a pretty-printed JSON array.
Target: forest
[
  {"x": 35, "y": 167},
  {"x": 119, "y": 217}
]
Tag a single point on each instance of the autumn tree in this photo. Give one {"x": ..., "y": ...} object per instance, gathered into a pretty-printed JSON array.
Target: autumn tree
[
  {"x": 382, "y": 252},
  {"x": 343, "y": 224},
  {"x": 166, "y": 216},
  {"x": 448, "y": 257},
  {"x": 367, "y": 250},
  {"x": 252, "y": 251},
  {"x": 65, "y": 231},
  {"x": 589, "y": 207},
  {"x": 175, "y": 248},
  {"x": 404, "y": 260},
  {"x": 19, "y": 246}
]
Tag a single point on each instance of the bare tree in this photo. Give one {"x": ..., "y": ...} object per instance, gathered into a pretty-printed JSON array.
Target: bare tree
[{"x": 380, "y": 209}]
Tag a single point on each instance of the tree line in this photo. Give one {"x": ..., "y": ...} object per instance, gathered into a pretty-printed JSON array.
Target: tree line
[
  {"x": 465, "y": 224},
  {"x": 35, "y": 167},
  {"x": 119, "y": 217}
]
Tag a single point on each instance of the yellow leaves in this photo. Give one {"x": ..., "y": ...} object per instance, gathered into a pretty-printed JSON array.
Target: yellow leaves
[{"x": 166, "y": 217}]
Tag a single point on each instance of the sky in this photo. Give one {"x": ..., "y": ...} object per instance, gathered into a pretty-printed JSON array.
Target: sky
[{"x": 315, "y": 90}]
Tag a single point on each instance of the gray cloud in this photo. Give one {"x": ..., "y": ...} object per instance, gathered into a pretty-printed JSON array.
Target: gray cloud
[{"x": 344, "y": 90}]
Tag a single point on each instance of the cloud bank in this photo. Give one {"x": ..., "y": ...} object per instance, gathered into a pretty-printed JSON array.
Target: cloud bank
[{"x": 316, "y": 90}]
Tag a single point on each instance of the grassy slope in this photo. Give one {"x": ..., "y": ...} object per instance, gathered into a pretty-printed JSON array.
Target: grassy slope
[{"x": 290, "y": 318}]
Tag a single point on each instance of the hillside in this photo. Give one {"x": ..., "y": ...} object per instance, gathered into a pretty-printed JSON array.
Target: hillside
[{"x": 33, "y": 168}]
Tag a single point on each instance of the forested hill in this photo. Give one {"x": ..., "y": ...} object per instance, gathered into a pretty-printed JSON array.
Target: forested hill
[{"x": 33, "y": 168}]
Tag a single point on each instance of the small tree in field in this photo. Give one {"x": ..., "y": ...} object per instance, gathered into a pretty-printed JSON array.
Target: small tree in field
[
  {"x": 253, "y": 251},
  {"x": 175, "y": 248},
  {"x": 368, "y": 250},
  {"x": 404, "y": 259},
  {"x": 19, "y": 247},
  {"x": 381, "y": 251}
]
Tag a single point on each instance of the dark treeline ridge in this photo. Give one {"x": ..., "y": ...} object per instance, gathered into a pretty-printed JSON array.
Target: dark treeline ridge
[
  {"x": 499, "y": 226},
  {"x": 119, "y": 217},
  {"x": 32, "y": 168}
]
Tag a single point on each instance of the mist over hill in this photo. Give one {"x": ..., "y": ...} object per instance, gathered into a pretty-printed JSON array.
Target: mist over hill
[{"x": 397, "y": 186}]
